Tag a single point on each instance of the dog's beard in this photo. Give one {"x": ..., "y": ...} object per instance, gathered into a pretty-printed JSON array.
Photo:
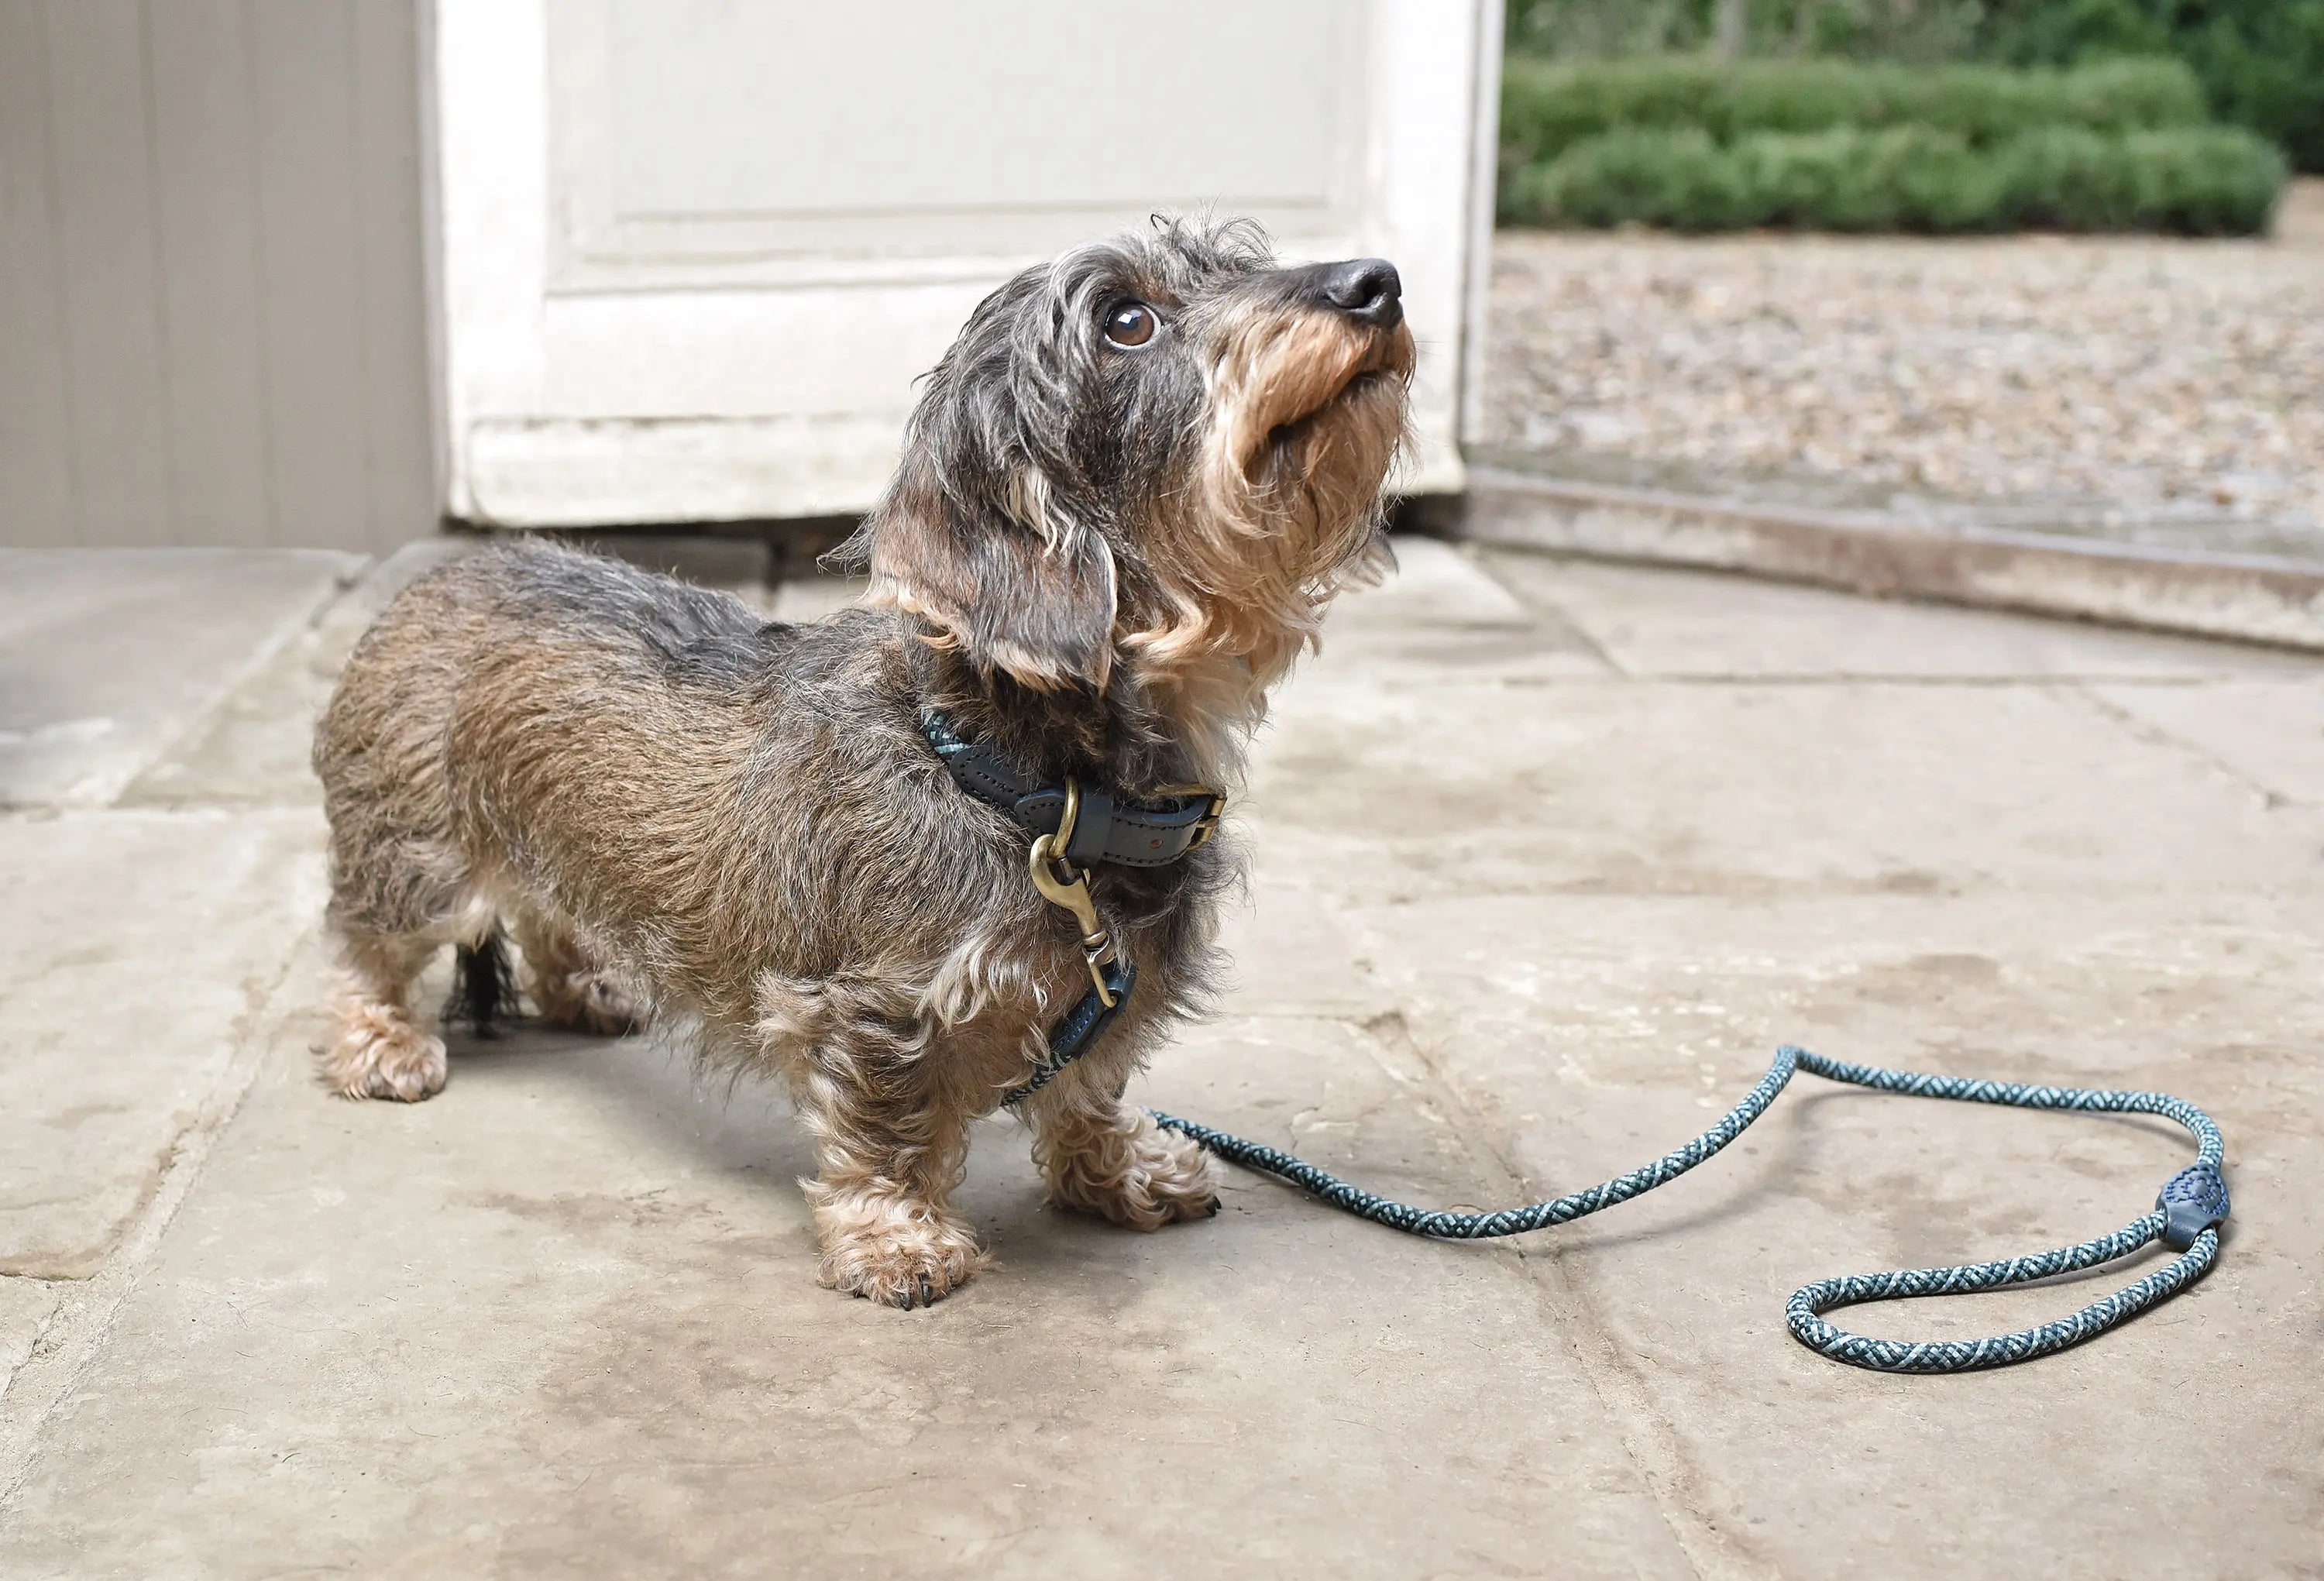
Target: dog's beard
[
  {"x": 1307, "y": 415},
  {"x": 1319, "y": 479}
]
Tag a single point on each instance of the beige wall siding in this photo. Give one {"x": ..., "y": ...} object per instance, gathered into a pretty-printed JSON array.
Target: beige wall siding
[{"x": 211, "y": 310}]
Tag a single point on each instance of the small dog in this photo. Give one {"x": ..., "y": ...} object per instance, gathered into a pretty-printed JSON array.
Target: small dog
[{"x": 1126, "y": 494}]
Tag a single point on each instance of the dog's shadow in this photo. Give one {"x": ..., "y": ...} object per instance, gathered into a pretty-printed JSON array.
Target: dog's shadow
[
  {"x": 717, "y": 1120},
  {"x": 644, "y": 1086},
  {"x": 652, "y": 1088}
]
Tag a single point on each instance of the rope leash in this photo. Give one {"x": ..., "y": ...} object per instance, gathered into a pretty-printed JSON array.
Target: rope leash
[
  {"x": 1073, "y": 826},
  {"x": 2186, "y": 1217}
]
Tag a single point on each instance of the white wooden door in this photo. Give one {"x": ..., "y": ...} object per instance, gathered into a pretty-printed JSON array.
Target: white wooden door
[{"x": 692, "y": 253}]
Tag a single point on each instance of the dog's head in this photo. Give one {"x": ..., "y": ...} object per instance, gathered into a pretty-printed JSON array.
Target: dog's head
[{"x": 1160, "y": 455}]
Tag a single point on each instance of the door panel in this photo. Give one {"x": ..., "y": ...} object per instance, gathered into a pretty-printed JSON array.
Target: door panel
[
  {"x": 721, "y": 111},
  {"x": 695, "y": 251}
]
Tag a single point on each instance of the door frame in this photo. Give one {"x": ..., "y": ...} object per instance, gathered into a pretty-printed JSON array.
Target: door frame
[{"x": 549, "y": 412}]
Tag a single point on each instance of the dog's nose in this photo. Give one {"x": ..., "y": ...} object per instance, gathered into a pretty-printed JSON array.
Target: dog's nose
[{"x": 1368, "y": 289}]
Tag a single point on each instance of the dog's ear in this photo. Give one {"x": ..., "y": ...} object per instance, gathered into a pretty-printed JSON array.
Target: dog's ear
[{"x": 1012, "y": 585}]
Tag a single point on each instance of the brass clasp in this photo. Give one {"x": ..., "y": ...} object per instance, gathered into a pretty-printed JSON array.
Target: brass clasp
[{"x": 1062, "y": 884}]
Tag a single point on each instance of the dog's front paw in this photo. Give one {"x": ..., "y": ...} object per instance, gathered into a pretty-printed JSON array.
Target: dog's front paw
[
  {"x": 382, "y": 1054},
  {"x": 1143, "y": 1178},
  {"x": 897, "y": 1253}
]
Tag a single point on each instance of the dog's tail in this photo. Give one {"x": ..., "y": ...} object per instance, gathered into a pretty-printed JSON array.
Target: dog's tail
[{"x": 484, "y": 986}]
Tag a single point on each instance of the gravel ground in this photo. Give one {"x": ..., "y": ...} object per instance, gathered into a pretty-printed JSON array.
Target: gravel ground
[{"x": 2151, "y": 380}]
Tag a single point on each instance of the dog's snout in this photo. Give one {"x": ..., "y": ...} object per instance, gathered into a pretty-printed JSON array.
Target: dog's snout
[{"x": 1368, "y": 289}]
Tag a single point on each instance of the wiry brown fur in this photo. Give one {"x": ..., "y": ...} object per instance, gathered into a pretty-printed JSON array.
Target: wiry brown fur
[{"x": 1098, "y": 557}]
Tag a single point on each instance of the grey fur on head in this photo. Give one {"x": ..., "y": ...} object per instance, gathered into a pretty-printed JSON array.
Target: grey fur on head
[
  {"x": 1054, "y": 489},
  {"x": 1125, "y": 495}
]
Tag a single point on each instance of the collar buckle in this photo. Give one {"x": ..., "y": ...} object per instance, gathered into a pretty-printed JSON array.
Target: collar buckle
[{"x": 1208, "y": 824}]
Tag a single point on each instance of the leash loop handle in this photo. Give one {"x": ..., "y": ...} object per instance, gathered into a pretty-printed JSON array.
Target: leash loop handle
[{"x": 1803, "y": 1314}]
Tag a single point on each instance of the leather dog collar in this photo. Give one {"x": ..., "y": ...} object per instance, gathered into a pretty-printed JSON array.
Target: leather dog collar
[{"x": 1134, "y": 833}]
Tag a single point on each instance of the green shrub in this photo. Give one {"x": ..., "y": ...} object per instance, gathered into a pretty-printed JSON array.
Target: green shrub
[
  {"x": 2069, "y": 179},
  {"x": 1832, "y": 180},
  {"x": 1941, "y": 184},
  {"x": 2208, "y": 181},
  {"x": 1864, "y": 30},
  {"x": 2260, "y": 62},
  {"x": 1679, "y": 179},
  {"x": 1795, "y": 96},
  {"x": 1547, "y": 107},
  {"x": 1902, "y": 178},
  {"x": 2266, "y": 71},
  {"x": 2200, "y": 180},
  {"x": 2132, "y": 95}
]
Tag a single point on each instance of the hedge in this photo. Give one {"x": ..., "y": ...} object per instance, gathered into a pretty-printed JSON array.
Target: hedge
[
  {"x": 2201, "y": 181},
  {"x": 1548, "y": 108},
  {"x": 2260, "y": 61}
]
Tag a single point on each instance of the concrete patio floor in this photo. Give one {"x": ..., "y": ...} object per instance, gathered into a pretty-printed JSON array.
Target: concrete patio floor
[{"x": 1549, "y": 857}]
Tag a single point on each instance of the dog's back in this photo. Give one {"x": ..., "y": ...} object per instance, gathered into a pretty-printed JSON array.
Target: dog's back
[
  {"x": 503, "y": 619},
  {"x": 614, "y": 708},
  {"x": 600, "y": 757}
]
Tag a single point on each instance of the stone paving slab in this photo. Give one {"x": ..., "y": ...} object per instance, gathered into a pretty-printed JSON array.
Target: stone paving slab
[
  {"x": 2269, "y": 733},
  {"x": 111, "y": 655},
  {"x": 1435, "y": 610},
  {"x": 134, "y": 949},
  {"x": 563, "y": 1317},
  {"x": 1546, "y": 864},
  {"x": 26, "y": 1308},
  {"x": 1513, "y": 501},
  {"x": 1589, "y": 1034},
  {"x": 136, "y": 946},
  {"x": 1598, "y": 916},
  {"x": 1612, "y": 787},
  {"x": 252, "y": 746}
]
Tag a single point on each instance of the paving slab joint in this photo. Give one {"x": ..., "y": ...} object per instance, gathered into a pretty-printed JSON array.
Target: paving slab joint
[
  {"x": 41, "y": 1391},
  {"x": 1679, "y": 1486}
]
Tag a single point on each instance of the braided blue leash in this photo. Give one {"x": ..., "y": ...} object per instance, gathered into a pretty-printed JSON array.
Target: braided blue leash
[{"x": 2186, "y": 1218}]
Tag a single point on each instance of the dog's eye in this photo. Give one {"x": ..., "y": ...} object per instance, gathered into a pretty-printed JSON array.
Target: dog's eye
[{"x": 1131, "y": 323}]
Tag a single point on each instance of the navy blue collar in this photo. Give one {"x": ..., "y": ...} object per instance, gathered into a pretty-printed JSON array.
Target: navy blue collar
[{"x": 1151, "y": 833}]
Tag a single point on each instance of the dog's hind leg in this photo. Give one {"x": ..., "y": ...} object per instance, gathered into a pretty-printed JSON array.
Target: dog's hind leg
[
  {"x": 1105, "y": 1157},
  {"x": 380, "y": 1050},
  {"x": 890, "y": 1152},
  {"x": 567, "y": 985}
]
